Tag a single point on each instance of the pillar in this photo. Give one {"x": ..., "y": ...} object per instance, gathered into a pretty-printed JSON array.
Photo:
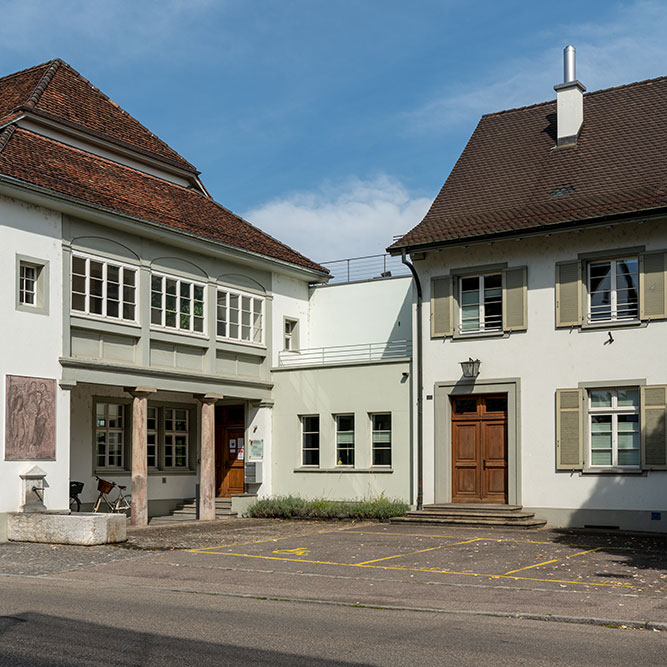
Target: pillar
[
  {"x": 139, "y": 516},
  {"x": 207, "y": 457}
]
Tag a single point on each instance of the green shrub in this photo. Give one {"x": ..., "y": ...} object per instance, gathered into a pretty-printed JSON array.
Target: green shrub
[{"x": 294, "y": 507}]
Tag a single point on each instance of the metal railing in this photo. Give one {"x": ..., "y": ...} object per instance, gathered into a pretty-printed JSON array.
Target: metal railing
[
  {"x": 370, "y": 267},
  {"x": 343, "y": 354}
]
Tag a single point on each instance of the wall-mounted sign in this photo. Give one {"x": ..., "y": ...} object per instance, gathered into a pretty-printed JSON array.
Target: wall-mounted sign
[
  {"x": 241, "y": 455},
  {"x": 232, "y": 445},
  {"x": 256, "y": 449}
]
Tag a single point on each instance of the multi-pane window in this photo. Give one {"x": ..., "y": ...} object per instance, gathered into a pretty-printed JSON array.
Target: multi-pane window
[
  {"x": 345, "y": 440},
  {"x": 310, "y": 443},
  {"x": 109, "y": 435},
  {"x": 381, "y": 439},
  {"x": 177, "y": 304},
  {"x": 176, "y": 437},
  {"x": 614, "y": 428},
  {"x": 289, "y": 338},
  {"x": 28, "y": 284},
  {"x": 240, "y": 316},
  {"x": 481, "y": 303},
  {"x": 104, "y": 288},
  {"x": 613, "y": 290},
  {"x": 152, "y": 436}
]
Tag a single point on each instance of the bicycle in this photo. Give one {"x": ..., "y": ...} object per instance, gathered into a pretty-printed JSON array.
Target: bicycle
[
  {"x": 121, "y": 503},
  {"x": 75, "y": 488}
]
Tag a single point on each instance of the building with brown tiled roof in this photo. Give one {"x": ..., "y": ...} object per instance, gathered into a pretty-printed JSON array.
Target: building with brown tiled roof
[
  {"x": 148, "y": 332},
  {"x": 542, "y": 268}
]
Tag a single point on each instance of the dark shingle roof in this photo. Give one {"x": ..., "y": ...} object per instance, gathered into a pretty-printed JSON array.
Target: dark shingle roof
[
  {"x": 56, "y": 90},
  {"x": 510, "y": 177},
  {"x": 37, "y": 160}
]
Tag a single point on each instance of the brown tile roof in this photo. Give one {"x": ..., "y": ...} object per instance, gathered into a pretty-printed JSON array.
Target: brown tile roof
[
  {"x": 510, "y": 178},
  {"x": 57, "y": 91},
  {"x": 46, "y": 163}
]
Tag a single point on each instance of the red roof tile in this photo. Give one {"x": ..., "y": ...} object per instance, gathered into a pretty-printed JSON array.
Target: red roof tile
[
  {"x": 46, "y": 163},
  {"x": 56, "y": 90},
  {"x": 510, "y": 178}
]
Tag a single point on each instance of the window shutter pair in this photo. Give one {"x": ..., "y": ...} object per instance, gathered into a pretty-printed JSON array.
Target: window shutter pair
[
  {"x": 571, "y": 414},
  {"x": 515, "y": 287},
  {"x": 570, "y": 309}
]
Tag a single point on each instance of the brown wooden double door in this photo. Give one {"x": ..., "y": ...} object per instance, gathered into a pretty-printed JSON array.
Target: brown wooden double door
[
  {"x": 479, "y": 449},
  {"x": 229, "y": 450}
]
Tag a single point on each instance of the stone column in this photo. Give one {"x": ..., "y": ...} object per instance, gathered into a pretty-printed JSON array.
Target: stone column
[
  {"x": 207, "y": 457},
  {"x": 139, "y": 516}
]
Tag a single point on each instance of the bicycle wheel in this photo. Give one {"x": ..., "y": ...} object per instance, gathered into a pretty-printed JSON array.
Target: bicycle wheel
[{"x": 74, "y": 504}]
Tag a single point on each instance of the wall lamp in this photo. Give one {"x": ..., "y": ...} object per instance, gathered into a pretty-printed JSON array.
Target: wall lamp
[{"x": 470, "y": 368}]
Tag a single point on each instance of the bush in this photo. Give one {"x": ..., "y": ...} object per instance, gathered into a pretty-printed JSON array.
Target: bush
[{"x": 294, "y": 507}]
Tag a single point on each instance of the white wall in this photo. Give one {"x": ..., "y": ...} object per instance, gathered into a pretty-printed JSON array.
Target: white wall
[
  {"x": 32, "y": 342},
  {"x": 546, "y": 358},
  {"x": 290, "y": 299}
]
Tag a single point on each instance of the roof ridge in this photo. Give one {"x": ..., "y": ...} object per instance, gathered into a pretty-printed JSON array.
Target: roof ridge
[
  {"x": 43, "y": 83},
  {"x": 592, "y": 92},
  {"x": 6, "y": 135}
]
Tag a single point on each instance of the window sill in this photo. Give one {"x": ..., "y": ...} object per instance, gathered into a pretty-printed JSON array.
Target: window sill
[
  {"x": 179, "y": 337},
  {"x": 613, "y": 324},
  {"x": 613, "y": 471},
  {"x": 346, "y": 470},
  {"x": 107, "y": 324},
  {"x": 479, "y": 334}
]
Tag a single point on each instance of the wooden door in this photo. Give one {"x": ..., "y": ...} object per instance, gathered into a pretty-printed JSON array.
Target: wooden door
[
  {"x": 479, "y": 449},
  {"x": 229, "y": 461}
]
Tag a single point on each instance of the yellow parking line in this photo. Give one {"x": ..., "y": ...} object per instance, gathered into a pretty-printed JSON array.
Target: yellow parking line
[
  {"x": 412, "y": 553},
  {"x": 270, "y": 539},
  {"x": 446, "y": 537},
  {"x": 555, "y": 560},
  {"x": 293, "y": 560}
]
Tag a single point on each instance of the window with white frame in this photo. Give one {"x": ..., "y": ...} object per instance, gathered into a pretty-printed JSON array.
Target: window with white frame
[
  {"x": 176, "y": 438},
  {"x": 310, "y": 440},
  {"x": 381, "y": 439},
  {"x": 344, "y": 440},
  {"x": 613, "y": 290},
  {"x": 103, "y": 288},
  {"x": 177, "y": 303},
  {"x": 614, "y": 428},
  {"x": 110, "y": 426},
  {"x": 152, "y": 435},
  {"x": 28, "y": 274},
  {"x": 481, "y": 303},
  {"x": 240, "y": 316},
  {"x": 290, "y": 340}
]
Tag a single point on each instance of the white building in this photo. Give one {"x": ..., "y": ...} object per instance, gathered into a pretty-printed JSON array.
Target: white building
[
  {"x": 144, "y": 325},
  {"x": 543, "y": 258}
]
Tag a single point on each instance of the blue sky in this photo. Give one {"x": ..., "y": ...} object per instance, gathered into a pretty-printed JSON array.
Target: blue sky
[{"x": 331, "y": 124}]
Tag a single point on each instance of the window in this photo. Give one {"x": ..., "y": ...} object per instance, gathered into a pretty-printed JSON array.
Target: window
[
  {"x": 381, "y": 439},
  {"x": 32, "y": 291},
  {"x": 28, "y": 284},
  {"x": 481, "y": 303},
  {"x": 176, "y": 438},
  {"x": 110, "y": 423},
  {"x": 310, "y": 441},
  {"x": 240, "y": 316},
  {"x": 345, "y": 440},
  {"x": 614, "y": 428},
  {"x": 290, "y": 338},
  {"x": 152, "y": 436},
  {"x": 103, "y": 288},
  {"x": 177, "y": 304},
  {"x": 613, "y": 290}
]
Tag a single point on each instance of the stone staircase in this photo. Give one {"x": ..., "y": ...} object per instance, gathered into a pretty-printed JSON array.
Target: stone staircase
[
  {"x": 187, "y": 512},
  {"x": 464, "y": 514}
]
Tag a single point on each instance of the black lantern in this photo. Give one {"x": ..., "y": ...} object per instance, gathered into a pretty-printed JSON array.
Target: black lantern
[{"x": 470, "y": 368}]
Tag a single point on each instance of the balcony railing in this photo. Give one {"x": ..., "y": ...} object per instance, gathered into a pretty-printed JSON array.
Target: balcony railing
[
  {"x": 370, "y": 267},
  {"x": 345, "y": 354}
]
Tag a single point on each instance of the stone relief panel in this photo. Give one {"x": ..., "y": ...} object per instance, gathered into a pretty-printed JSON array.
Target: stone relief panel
[{"x": 30, "y": 426}]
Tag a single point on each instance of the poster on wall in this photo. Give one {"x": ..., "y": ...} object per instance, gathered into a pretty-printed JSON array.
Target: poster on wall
[
  {"x": 30, "y": 428},
  {"x": 256, "y": 450}
]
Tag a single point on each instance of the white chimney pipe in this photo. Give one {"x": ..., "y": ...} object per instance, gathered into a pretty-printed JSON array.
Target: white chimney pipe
[{"x": 569, "y": 101}]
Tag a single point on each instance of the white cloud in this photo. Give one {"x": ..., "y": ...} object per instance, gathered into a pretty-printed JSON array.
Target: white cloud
[
  {"x": 628, "y": 46},
  {"x": 352, "y": 218}
]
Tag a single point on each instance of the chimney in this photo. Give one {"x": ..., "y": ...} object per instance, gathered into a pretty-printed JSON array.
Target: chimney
[{"x": 569, "y": 101}]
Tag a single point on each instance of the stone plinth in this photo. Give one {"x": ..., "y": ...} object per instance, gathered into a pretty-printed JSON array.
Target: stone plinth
[{"x": 79, "y": 528}]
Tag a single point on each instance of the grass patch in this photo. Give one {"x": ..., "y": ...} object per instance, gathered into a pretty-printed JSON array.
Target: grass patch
[{"x": 294, "y": 507}]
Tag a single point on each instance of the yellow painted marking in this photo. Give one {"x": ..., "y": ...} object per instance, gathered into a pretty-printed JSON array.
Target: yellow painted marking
[
  {"x": 447, "y": 537},
  {"x": 299, "y": 551},
  {"x": 555, "y": 560},
  {"x": 420, "y": 569},
  {"x": 412, "y": 553},
  {"x": 270, "y": 539}
]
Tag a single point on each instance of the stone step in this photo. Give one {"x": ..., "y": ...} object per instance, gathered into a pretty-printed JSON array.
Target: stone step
[
  {"x": 473, "y": 507},
  {"x": 470, "y": 521},
  {"x": 508, "y": 516}
]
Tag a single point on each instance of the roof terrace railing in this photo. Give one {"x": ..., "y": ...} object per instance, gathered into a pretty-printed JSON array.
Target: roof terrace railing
[
  {"x": 345, "y": 354},
  {"x": 370, "y": 267}
]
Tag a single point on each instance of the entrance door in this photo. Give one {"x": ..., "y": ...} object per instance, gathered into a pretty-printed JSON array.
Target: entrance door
[
  {"x": 229, "y": 451},
  {"x": 479, "y": 449}
]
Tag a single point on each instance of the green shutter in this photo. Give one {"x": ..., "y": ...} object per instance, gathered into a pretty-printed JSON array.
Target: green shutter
[
  {"x": 654, "y": 433},
  {"x": 568, "y": 294},
  {"x": 514, "y": 299},
  {"x": 442, "y": 323},
  {"x": 653, "y": 295},
  {"x": 569, "y": 429}
]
